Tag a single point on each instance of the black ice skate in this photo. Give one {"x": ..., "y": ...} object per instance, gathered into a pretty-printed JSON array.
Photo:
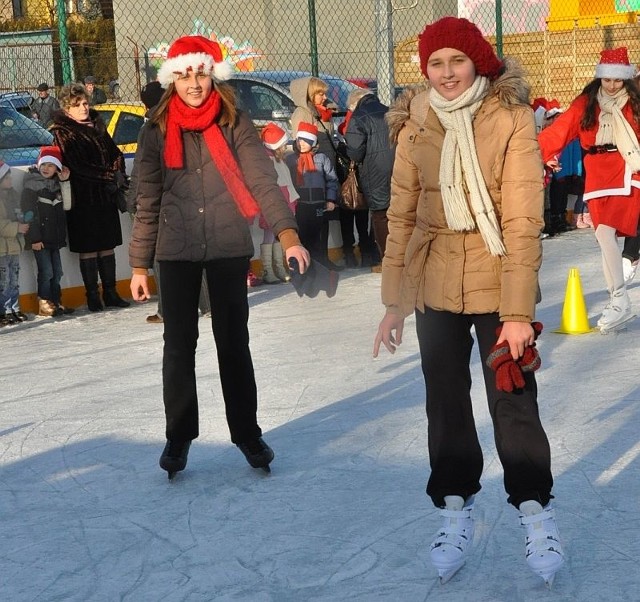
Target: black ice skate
[
  {"x": 257, "y": 453},
  {"x": 174, "y": 457}
]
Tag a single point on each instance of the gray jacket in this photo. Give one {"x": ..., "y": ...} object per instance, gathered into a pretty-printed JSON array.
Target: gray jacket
[{"x": 188, "y": 214}]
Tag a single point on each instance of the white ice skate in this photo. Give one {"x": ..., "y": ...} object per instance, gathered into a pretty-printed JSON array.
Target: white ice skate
[
  {"x": 543, "y": 549},
  {"x": 453, "y": 540},
  {"x": 629, "y": 269},
  {"x": 617, "y": 312}
]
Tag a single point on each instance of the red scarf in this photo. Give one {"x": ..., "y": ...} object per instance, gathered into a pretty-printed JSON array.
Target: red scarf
[
  {"x": 305, "y": 164},
  {"x": 324, "y": 113},
  {"x": 180, "y": 118},
  {"x": 342, "y": 128}
]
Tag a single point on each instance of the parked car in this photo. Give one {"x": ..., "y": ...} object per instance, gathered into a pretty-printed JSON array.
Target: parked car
[
  {"x": 20, "y": 138},
  {"x": 123, "y": 121},
  {"x": 266, "y": 97},
  {"x": 20, "y": 101}
]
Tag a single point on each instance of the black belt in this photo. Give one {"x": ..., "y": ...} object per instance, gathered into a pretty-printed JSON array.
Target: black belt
[{"x": 602, "y": 148}]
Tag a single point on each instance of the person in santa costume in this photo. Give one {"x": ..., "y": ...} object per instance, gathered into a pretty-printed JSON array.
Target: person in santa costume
[
  {"x": 605, "y": 117},
  {"x": 202, "y": 177}
]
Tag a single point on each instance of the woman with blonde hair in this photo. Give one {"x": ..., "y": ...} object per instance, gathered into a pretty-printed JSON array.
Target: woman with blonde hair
[{"x": 202, "y": 176}]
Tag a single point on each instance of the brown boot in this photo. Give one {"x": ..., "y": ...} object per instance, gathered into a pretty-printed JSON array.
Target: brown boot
[{"x": 47, "y": 308}]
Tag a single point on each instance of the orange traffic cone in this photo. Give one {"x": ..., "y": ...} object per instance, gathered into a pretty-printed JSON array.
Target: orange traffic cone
[{"x": 574, "y": 312}]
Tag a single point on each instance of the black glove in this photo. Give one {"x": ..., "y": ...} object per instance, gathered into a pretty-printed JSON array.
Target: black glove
[{"x": 317, "y": 278}]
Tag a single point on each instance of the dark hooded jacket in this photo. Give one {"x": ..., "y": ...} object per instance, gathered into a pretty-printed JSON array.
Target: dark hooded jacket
[{"x": 367, "y": 139}]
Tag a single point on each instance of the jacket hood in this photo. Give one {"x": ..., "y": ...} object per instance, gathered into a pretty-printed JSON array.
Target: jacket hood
[
  {"x": 298, "y": 89},
  {"x": 511, "y": 89}
]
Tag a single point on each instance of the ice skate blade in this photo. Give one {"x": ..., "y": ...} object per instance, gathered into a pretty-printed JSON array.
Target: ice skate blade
[
  {"x": 444, "y": 575},
  {"x": 266, "y": 469},
  {"x": 618, "y": 326}
]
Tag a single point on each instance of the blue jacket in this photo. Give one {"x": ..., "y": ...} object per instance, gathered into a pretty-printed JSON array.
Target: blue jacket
[{"x": 319, "y": 186}]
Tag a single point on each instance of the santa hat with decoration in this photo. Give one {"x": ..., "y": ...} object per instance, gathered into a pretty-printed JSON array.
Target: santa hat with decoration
[
  {"x": 614, "y": 64},
  {"x": 50, "y": 154},
  {"x": 194, "y": 53}
]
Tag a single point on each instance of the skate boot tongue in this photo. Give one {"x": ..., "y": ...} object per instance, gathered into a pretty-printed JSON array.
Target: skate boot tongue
[
  {"x": 451, "y": 545},
  {"x": 543, "y": 549}
]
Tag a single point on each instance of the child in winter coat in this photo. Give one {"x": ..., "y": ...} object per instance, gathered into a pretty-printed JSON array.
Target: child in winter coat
[
  {"x": 12, "y": 230},
  {"x": 275, "y": 141},
  {"x": 45, "y": 196},
  {"x": 317, "y": 184},
  {"x": 463, "y": 253}
]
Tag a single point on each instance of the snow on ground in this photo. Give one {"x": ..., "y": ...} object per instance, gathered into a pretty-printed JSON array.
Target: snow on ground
[{"x": 87, "y": 514}]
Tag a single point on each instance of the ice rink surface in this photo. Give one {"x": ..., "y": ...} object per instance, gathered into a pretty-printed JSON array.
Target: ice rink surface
[{"x": 87, "y": 514}]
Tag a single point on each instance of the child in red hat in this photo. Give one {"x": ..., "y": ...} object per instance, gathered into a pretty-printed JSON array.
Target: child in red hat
[
  {"x": 462, "y": 255},
  {"x": 605, "y": 117},
  {"x": 275, "y": 140},
  {"x": 316, "y": 181},
  {"x": 46, "y": 194},
  {"x": 202, "y": 176}
]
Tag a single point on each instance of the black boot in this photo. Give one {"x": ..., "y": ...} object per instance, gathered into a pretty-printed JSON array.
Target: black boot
[
  {"x": 350, "y": 258},
  {"x": 107, "y": 268},
  {"x": 174, "y": 456},
  {"x": 257, "y": 453},
  {"x": 89, "y": 271}
]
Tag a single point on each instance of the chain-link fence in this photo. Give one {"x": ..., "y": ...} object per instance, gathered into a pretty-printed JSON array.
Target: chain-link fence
[{"x": 370, "y": 42}]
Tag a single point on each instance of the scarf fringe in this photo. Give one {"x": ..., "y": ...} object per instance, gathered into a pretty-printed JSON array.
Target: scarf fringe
[{"x": 459, "y": 165}]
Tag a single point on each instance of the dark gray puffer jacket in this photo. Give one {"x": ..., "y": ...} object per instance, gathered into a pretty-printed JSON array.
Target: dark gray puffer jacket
[{"x": 188, "y": 214}]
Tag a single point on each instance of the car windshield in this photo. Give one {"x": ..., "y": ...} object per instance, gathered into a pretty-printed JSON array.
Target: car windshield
[{"x": 18, "y": 131}]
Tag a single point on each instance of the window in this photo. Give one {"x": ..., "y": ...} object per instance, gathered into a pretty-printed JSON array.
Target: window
[{"x": 128, "y": 128}]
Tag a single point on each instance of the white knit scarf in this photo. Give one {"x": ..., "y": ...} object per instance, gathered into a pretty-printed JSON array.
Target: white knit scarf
[
  {"x": 460, "y": 169},
  {"x": 613, "y": 128}
]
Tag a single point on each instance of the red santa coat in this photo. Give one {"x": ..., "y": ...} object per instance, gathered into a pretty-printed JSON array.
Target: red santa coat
[{"x": 612, "y": 190}]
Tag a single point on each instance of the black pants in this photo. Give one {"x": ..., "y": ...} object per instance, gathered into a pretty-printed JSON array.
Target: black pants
[
  {"x": 361, "y": 220},
  {"x": 454, "y": 450},
  {"x": 310, "y": 218},
  {"x": 227, "y": 282}
]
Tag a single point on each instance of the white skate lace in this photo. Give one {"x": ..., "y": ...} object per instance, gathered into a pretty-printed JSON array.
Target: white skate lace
[
  {"x": 542, "y": 534},
  {"x": 456, "y": 530}
]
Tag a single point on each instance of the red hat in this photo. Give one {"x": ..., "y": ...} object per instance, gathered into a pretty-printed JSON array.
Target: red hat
[
  {"x": 4, "y": 169},
  {"x": 453, "y": 32},
  {"x": 308, "y": 132},
  {"x": 50, "y": 154},
  {"x": 273, "y": 136},
  {"x": 614, "y": 64},
  {"x": 194, "y": 53}
]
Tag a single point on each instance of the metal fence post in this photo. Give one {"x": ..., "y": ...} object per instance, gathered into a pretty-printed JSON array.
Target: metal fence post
[
  {"x": 384, "y": 51},
  {"x": 499, "y": 28},
  {"x": 313, "y": 38},
  {"x": 64, "y": 42}
]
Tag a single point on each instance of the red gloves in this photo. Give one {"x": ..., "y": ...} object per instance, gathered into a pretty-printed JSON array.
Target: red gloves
[{"x": 509, "y": 372}]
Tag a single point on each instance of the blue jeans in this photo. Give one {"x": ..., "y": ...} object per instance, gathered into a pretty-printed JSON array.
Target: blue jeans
[
  {"x": 49, "y": 274},
  {"x": 9, "y": 284}
]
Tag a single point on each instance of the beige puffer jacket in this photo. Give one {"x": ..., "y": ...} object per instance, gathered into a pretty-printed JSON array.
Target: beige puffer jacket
[{"x": 428, "y": 265}]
